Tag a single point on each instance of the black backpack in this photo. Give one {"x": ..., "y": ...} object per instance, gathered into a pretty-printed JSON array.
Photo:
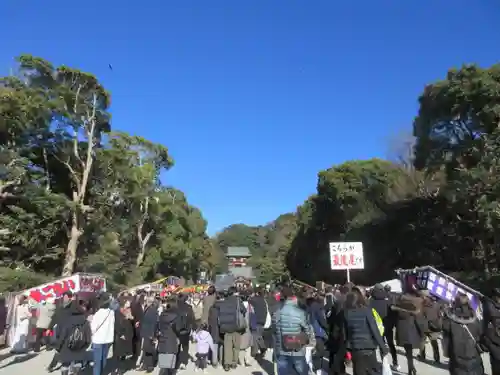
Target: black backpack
[
  {"x": 183, "y": 324},
  {"x": 79, "y": 337}
]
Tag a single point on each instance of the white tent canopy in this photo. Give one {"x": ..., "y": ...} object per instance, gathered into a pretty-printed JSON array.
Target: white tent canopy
[{"x": 395, "y": 285}]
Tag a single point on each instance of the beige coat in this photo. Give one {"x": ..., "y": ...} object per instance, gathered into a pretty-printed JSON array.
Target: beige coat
[
  {"x": 45, "y": 314},
  {"x": 208, "y": 302}
]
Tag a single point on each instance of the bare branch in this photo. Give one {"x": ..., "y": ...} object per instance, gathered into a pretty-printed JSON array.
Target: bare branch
[
  {"x": 90, "y": 148},
  {"x": 76, "y": 152},
  {"x": 47, "y": 170},
  {"x": 147, "y": 237},
  {"x": 72, "y": 172}
]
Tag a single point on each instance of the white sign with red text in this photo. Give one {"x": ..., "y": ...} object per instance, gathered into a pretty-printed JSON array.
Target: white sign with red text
[
  {"x": 346, "y": 256},
  {"x": 74, "y": 284}
]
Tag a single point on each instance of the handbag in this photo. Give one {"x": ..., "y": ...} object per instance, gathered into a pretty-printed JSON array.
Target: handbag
[
  {"x": 268, "y": 322},
  {"x": 386, "y": 367},
  {"x": 294, "y": 342},
  {"x": 241, "y": 322}
]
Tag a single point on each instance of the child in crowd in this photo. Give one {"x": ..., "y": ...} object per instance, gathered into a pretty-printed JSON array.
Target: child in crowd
[{"x": 204, "y": 342}]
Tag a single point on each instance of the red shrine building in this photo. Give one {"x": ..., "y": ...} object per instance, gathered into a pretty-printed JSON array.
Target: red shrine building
[{"x": 238, "y": 262}]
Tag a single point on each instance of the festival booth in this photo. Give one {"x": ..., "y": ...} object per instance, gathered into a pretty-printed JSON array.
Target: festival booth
[
  {"x": 148, "y": 287},
  {"x": 82, "y": 284},
  {"x": 440, "y": 285},
  {"x": 163, "y": 285},
  {"x": 199, "y": 288}
]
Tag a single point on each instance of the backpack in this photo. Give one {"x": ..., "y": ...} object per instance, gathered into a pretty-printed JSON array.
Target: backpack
[
  {"x": 183, "y": 326},
  {"x": 378, "y": 320},
  {"x": 79, "y": 337}
]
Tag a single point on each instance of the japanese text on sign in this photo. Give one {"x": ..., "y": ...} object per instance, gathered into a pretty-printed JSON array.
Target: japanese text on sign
[
  {"x": 92, "y": 284},
  {"x": 346, "y": 255},
  {"x": 53, "y": 290}
]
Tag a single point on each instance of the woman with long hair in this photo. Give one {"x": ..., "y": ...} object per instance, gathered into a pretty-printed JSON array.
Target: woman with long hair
[
  {"x": 167, "y": 336},
  {"x": 363, "y": 336},
  {"x": 123, "y": 346}
]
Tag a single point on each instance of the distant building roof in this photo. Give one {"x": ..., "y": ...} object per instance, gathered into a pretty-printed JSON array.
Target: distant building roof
[{"x": 233, "y": 251}]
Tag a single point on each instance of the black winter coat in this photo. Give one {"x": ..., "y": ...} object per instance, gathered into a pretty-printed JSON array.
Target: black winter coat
[
  {"x": 380, "y": 302},
  {"x": 461, "y": 332},
  {"x": 432, "y": 315},
  {"x": 74, "y": 316},
  {"x": 491, "y": 328},
  {"x": 228, "y": 313},
  {"x": 213, "y": 323},
  {"x": 186, "y": 309},
  {"x": 336, "y": 320},
  {"x": 168, "y": 325},
  {"x": 410, "y": 324},
  {"x": 149, "y": 321},
  {"x": 61, "y": 313},
  {"x": 124, "y": 335},
  {"x": 259, "y": 305},
  {"x": 361, "y": 330},
  {"x": 137, "y": 310}
]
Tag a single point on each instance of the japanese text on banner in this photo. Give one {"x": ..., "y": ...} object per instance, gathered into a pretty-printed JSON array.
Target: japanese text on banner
[{"x": 346, "y": 255}]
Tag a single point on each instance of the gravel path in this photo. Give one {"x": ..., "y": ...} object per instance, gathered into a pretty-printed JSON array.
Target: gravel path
[{"x": 33, "y": 364}]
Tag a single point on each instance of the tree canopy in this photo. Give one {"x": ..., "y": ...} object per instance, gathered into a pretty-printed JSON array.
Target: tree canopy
[
  {"x": 76, "y": 194},
  {"x": 438, "y": 205}
]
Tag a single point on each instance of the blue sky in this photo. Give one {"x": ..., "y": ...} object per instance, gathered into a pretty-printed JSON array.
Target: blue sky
[{"x": 254, "y": 97}]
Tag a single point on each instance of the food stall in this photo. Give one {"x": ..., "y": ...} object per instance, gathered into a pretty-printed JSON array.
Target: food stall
[{"x": 79, "y": 283}]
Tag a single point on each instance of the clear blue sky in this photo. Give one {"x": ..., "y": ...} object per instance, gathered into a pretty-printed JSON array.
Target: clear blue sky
[{"x": 254, "y": 97}]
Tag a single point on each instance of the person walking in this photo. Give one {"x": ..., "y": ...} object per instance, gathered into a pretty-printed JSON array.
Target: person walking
[
  {"x": 123, "y": 346},
  {"x": 231, "y": 324},
  {"x": 410, "y": 325},
  {"x": 73, "y": 337},
  {"x": 46, "y": 311},
  {"x": 291, "y": 333},
  {"x": 103, "y": 333},
  {"x": 187, "y": 323},
  {"x": 461, "y": 338},
  {"x": 168, "y": 337},
  {"x": 362, "y": 334}
]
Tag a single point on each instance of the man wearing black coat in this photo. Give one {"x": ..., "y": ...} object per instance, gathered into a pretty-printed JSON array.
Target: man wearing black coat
[
  {"x": 213, "y": 328},
  {"x": 230, "y": 311},
  {"x": 381, "y": 301},
  {"x": 61, "y": 314},
  {"x": 137, "y": 310},
  {"x": 261, "y": 311},
  {"x": 185, "y": 310}
]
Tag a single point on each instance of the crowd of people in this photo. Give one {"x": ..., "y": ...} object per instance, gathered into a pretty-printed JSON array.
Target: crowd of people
[{"x": 307, "y": 331}]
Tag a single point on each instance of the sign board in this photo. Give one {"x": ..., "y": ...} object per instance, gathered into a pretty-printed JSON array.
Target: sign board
[
  {"x": 346, "y": 256},
  {"x": 74, "y": 284}
]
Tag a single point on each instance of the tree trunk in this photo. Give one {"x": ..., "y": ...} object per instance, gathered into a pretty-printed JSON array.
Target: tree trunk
[
  {"x": 140, "y": 256},
  {"x": 71, "y": 249},
  {"x": 143, "y": 240},
  {"x": 142, "y": 246},
  {"x": 81, "y": 182}
]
